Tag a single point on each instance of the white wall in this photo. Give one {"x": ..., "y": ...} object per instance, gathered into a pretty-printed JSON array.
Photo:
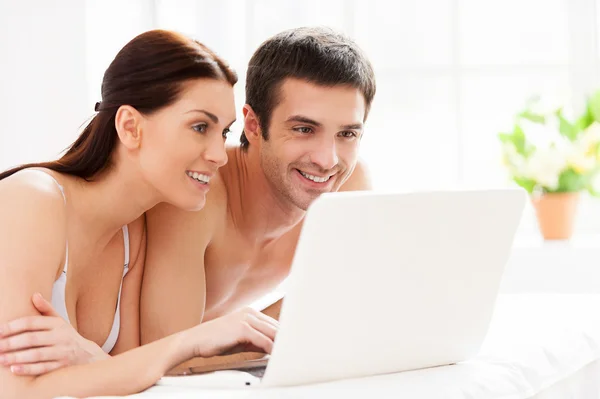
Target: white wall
[
  {"x": 43, "y": 91},
  {"x": 446, "y": 88}
]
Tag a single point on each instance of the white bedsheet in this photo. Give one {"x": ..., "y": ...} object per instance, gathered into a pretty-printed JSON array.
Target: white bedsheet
[{"x": 541, "y": 346}]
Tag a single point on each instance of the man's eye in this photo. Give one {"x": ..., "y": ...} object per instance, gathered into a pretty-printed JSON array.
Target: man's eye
[
  {"x": 304, "y": 130},
  {"x": 200, "y": 128},
  {"x": 348, "y": 134}
]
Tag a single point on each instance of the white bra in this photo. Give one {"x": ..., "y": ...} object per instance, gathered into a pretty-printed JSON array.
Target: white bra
[
  {"x": 58, "y": 289},
  {"x": 59, "y": 302}
]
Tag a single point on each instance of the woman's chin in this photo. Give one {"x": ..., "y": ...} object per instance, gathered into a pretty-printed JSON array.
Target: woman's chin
[
  {"x": 198, "y": 205},
  {"x": 191, "y": 204}
]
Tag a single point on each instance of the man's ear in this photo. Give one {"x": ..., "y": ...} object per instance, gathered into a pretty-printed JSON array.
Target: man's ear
[
  {"x": 251, "y": 124},
  {"x": 128, "y": 125}
]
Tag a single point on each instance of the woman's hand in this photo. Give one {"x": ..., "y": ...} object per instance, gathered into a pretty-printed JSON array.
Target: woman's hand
[
  {"x": 246, "y": 330},
  {"x": 36, "y": 345}
]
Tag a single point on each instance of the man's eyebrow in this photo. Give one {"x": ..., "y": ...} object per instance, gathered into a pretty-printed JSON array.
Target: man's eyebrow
[
  {"x": 303, "y": 119},
  {"x": 353, "y": 126},
  {"x": 212, "y": 116}
]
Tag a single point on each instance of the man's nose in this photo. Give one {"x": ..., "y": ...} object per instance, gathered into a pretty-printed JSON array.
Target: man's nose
[{"x": 325, "y": 153}]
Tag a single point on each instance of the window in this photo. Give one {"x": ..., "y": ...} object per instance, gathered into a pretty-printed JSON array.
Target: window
[{"x": 450, "y": 73}]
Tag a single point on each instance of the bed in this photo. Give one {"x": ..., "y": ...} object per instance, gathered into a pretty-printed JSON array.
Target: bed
[{"x": 539, "y": 345}]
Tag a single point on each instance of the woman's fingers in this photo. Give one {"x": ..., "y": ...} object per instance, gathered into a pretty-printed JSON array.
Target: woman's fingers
[
  {"x": 26, "y": 341},
  {"x": 35, "y": 369},
  {"x": 35, "y": 355},
  {"x": 29, "y": 323},
  {"x": 43, "y": 306}
]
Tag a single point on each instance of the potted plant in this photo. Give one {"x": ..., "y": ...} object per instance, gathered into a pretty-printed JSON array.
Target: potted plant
[{"x": 554, "y": 158}]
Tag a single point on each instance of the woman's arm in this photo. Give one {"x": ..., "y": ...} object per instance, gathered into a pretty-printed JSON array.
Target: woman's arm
[
  {"x": 32, "y": 246},
  {"x": 138, "y": 369},
  {"x": 66, "y": 347}
]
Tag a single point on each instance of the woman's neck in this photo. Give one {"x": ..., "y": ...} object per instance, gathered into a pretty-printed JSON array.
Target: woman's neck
[{"x": 98, "y": 209}]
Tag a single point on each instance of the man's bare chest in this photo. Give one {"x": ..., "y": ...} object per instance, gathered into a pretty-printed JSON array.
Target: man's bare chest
[{"x": 237, "y": 274}]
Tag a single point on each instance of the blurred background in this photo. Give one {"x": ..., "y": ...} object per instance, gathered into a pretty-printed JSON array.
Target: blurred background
[{"x": 451, "y": 74}]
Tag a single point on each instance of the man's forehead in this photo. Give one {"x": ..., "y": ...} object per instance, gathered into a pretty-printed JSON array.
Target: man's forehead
[{"x": 339, "y": 104}]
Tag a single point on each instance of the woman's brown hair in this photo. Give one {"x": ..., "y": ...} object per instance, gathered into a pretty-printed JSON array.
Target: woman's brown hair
[{"x": 147, "y": 74}]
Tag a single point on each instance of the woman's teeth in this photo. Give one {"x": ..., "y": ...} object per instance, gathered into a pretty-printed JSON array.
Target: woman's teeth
[
  {"x": 200, "y": 177},
  {"x": 316, "y": 179}
]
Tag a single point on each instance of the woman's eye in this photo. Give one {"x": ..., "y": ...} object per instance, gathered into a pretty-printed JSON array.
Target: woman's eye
[
  {"x": 226, "y": 132},
  {"x": 200, "y": 128},
  {"x": 304, "y": 130}
]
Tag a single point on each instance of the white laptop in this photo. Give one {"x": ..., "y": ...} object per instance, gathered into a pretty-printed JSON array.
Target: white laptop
[{"x": 386, "y": 282}]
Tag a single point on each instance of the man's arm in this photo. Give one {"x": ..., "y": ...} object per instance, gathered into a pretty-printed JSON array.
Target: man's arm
[
  {"x": 173, "y": 291},
  {"x": 358, "y": 180}
]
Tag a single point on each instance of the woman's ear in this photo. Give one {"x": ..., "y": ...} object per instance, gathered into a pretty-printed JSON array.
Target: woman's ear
[
  {"x": 251, "y": 125},
  {"x": 128, "y": 125}
]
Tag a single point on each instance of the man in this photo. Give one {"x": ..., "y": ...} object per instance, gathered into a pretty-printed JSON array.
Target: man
[{"x": 308, "y": 94}]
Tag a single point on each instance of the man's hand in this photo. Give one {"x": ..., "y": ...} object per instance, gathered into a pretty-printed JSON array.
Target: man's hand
[
  {"x": 36, "y": 345},
  {"x": 245, "y": 330}
]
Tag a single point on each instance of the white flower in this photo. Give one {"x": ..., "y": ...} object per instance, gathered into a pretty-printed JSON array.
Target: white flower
[
  {"x": 592, "y": 132},
  {"x": 580, "y": 161},
  {"x": 581, "y": 155},
  {"x": 553, "y": 152},
  {"x": 540, "y": 135},
  {"x": 589, "y": 138},
  {"x": 545, "y": 165}
]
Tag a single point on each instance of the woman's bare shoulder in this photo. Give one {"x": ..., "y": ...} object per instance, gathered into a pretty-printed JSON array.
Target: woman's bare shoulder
[
  {"x": 32, "y": 206},
  {"x": 35, "y": 182}
]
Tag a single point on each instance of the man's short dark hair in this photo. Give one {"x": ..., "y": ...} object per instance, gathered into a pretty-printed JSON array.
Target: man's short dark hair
[{"x": 317, "y": 55}]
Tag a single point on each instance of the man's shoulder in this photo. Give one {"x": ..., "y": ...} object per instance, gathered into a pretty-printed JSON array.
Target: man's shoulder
[
  {"x": 360, "y": 179},
  {"x": 232, "y": 151}
]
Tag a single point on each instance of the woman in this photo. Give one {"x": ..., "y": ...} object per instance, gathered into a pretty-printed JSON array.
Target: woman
[{"x": 73, "y": 230}]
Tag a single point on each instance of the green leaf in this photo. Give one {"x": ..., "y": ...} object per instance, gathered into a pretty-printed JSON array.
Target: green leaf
[
  {"x": 527, "y": 184},
  {"x": 505, "y": 137},
  {"x": 596, "y": 150},
  {"x": 571, "y": 181},
  {"x": 519, "y": 139},
  {"x": 536, "y": 118},
  {"x": 585, "y": 120},
  {"x": 565, "y": 127},
  {"x": 594, "y": 105},
  {"x": 593, "y": 192}
]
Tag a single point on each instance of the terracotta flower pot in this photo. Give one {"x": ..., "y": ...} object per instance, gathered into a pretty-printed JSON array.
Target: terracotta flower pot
[{"x": 556, "y": 214}]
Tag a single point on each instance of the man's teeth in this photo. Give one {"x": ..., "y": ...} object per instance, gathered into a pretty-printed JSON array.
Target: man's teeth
[
  {"x": 316, "y": 179},
  {"x": 200, "y": 177}
]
